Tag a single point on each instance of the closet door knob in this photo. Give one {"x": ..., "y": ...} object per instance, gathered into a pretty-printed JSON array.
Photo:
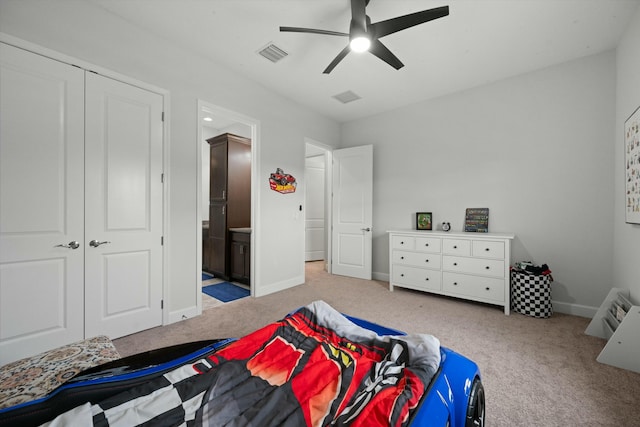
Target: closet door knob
[
  {"x": 95, "y": 243},
  {"x": 71, "y": 245}
]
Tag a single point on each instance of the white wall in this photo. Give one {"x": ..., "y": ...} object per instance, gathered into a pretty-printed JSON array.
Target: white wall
[
  {"x": 534, "y": 149},
  {"x": 627, "y": 236},
  {"x": 87, "y": 32}
]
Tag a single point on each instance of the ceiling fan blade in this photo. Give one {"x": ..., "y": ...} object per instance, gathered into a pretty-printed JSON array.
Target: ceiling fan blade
[
  {"x": 393, "y": 25},
  {"x": 312, "y": 31},
  {"x": 337, "y": 59},
  {"x": 381, "y": 51}
]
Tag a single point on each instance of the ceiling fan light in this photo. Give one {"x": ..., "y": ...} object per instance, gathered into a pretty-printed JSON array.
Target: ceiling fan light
[{"x": 360, "y": 44}]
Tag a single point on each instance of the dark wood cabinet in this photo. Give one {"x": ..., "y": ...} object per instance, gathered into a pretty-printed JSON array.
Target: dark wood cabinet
[
  {"x": 240, "y": 256},
  {"x": 229, "y": 197}
]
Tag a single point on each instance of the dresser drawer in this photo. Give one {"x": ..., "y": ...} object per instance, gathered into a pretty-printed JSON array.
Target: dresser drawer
[
  {"x": 456, "y": 247},
  {"x": 417, "y": 278},
  {"x": 474, "y": 287},
  {"x": 403, "y": 242},
  {"x": 416, "y": 259},
  {"x": 488, "y": 249},
  {"x": 483, "y": 267},
  {"x": 428, "y": 244}
]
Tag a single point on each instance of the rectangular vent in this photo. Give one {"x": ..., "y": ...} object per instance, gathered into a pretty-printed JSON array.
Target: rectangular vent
[
  {"x": 272, "y": 52},
  {"x": 346, "y": 97}
]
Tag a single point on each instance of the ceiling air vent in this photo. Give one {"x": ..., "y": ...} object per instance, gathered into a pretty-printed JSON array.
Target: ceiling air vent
[
  {"x": 272, "y": 52},
  {"x": 346, "y": 97}
]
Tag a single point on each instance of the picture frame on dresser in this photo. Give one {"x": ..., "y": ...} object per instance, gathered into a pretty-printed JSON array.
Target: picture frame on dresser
[
  {"x": 424, "y": 221},
  {"x": 632, "y": 168}
]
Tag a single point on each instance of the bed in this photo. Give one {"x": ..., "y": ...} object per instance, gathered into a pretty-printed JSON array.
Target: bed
[{"x": 314, "y": 367}]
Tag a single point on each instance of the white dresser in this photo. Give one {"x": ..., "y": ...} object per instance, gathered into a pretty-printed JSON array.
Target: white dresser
[{"x": 472, "y": 266}]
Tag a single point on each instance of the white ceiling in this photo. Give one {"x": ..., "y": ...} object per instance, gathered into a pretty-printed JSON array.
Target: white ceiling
[{"x": 481, "y": 41}]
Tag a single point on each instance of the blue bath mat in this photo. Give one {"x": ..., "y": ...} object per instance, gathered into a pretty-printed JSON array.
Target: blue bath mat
[{"x": 226, "y": 291}]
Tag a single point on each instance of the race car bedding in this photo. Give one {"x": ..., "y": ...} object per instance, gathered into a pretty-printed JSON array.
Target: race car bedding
[{"x": 315, "y": 367}]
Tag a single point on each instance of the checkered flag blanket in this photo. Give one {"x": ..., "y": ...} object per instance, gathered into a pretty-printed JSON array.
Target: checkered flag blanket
[
  {"x": 172, "y": 400},
  {"x": 312, "y": 368}
]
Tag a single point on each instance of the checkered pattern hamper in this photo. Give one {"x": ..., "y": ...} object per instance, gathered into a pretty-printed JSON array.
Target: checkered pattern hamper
[{"x": 531, "y": 294}]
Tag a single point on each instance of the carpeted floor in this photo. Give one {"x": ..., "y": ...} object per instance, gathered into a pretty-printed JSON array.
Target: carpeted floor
[{"x": 536, "y": 372}]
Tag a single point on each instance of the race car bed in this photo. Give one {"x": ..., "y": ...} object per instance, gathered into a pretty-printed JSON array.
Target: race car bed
[{"x": 315, "y": 367}]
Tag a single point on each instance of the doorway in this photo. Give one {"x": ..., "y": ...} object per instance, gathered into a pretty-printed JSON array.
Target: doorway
[
  {"x": 214, "y": 121},
  {"x": 317, "y": 202}
]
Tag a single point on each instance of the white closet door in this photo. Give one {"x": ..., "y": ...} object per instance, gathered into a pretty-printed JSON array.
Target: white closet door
[
  {"x": 352, "y": 211},
  {"x": 41, "y": 203},
  {"x": 123, "y": 208}
]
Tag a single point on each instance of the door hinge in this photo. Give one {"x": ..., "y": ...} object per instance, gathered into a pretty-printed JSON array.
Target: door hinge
[
  {"x": 162, "y": 178},
  {"x": 161, "y": 240},
  {"x": 161, "y": 304},
  {"x": 162, "y": 116}
]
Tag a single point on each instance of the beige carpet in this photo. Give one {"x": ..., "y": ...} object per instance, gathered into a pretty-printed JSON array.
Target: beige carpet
[{"x": 536, "y": 372}]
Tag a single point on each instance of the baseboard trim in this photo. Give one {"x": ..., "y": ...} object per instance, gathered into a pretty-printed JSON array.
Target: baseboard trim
[
  {"x": 574, "y": 309},
  {"x": 279, "y": 286},
  {"x": 383, "y": 277},
  {"x": 184, "y": 314}
]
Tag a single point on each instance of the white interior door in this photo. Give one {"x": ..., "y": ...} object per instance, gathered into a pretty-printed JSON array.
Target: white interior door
[
  {"x": 41, "y": 203},
  {"x": 123, "y": 205},
  {"x": 352, "y": 211},
  {"x": 314, "y": 212}
]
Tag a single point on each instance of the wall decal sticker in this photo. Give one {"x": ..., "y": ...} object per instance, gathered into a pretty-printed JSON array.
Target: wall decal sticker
[{"x": 282, "y": 182}]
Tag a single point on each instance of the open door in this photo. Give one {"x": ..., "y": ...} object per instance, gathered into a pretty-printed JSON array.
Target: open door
[{"x": 352, "y": 211}]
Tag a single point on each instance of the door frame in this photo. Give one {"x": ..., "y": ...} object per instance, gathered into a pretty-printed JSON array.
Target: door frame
[
  {"x": 254, "y": 124},
  {"x": 328, "y": 190},
  {"x": 166, "y": 102}
]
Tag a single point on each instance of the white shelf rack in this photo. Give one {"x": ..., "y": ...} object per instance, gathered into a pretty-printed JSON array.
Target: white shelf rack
[{"x": 623, "y": 344}]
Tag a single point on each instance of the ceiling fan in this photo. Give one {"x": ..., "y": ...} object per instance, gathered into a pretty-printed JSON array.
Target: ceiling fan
[{"x": 364, "y": 35}]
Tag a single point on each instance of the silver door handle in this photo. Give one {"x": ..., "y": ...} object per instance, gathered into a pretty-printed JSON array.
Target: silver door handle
[
  {"x": 95, "y": 243},
  {"x": 366, "y": 229},
  {"x": 71, "y": 245}
]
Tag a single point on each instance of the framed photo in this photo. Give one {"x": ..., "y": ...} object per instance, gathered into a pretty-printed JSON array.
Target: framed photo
[
  {"x": 632, "y": 168},
  {"x": 423, "y": 221}
]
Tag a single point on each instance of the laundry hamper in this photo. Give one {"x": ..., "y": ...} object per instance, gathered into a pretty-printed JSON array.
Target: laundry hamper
[{"x": 531, "y": 294}]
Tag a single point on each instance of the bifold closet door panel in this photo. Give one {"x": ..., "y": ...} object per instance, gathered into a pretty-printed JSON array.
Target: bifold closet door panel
[
  {"x": 123, "y": 208},
  {"x": 41, "y": 203}
]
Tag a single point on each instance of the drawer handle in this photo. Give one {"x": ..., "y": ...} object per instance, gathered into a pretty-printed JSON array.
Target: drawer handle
[
  {"x": 402, "y": 275},
  {"x": 426, "y": 260},
  {"x": 427, "y": 279},
  {"x": 455, "y": 263},
  {"x": 486, "y": 249},
  {"x": 487, "y": 267},
  {"x": 402, "y": 243},
  {"x": 401, "y": 257},
  {"x": 455, "y": 283},
  {"x": 455, "y": 247},
  {"x": 488, "y": 288},
  {"x": 426, "y": 244}
]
